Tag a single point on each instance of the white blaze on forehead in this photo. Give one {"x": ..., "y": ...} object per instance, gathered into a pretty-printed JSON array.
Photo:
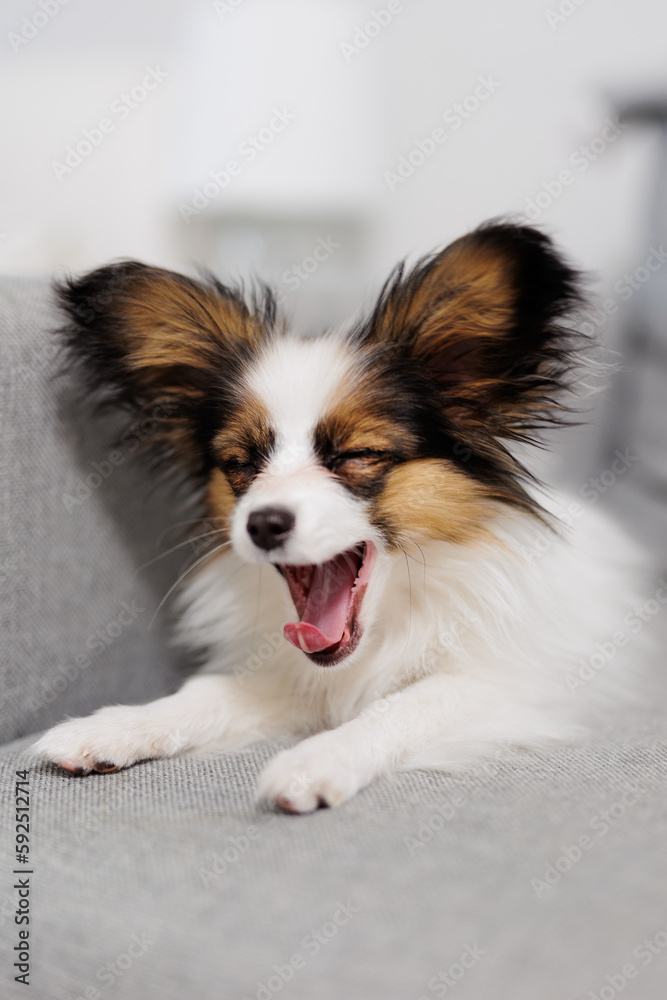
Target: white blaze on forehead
[{"x": 297, "y": 382}]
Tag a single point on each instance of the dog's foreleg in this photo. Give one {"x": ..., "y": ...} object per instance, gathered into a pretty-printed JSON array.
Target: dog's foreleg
[
  {"x": 411, "y": 728},
  {"x": 208, "y": 709}
]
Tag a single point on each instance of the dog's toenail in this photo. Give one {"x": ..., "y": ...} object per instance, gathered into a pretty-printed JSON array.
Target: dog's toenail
[
  {"x": 74, "y": 769},
  {"x": 285, "y": 804},
  {"x": 104, "y": 767}
]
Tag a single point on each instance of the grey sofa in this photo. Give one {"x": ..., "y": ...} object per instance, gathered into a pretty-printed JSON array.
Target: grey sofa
[{"x": 542, "y": 878}]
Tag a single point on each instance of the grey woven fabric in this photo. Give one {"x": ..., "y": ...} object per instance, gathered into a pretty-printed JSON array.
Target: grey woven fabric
[
  {"x": 376, "y": 899},
  {"x": 539, "y": 878}
]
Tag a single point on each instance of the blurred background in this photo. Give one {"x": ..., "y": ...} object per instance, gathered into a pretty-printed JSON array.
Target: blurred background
[{"x": 316, "y": 144}]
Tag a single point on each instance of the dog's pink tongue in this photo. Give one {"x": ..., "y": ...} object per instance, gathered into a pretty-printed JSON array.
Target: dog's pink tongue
[{"x": 324, "y": 620}]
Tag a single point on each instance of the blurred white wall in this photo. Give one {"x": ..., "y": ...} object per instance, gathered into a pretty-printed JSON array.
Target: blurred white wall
[
  {"x": 328, "y": 111},
  {"x": 365, "y": 82}
]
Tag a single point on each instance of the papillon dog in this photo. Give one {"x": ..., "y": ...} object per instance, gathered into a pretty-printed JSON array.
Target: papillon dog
[{"x": 386, "y": 584}]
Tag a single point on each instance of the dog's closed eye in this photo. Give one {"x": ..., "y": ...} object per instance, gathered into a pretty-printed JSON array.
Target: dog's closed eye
[
  {"x": 240, "y": 470},
  {"x": 359, "y": 460}
]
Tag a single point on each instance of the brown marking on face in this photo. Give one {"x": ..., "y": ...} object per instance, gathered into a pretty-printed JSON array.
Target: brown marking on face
[
  {"x": 429, "y": 499},
  {"x": 358, "y": 428},
  {"x": 244, "y": 443},
  {"x": 358, "y": 439},
  {"x": 220, "y": 502}
]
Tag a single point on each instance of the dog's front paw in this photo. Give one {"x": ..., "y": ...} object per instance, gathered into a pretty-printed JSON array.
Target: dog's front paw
[
  {"x": 321, "y": 771},
  {"x": 112, "y": 738}
]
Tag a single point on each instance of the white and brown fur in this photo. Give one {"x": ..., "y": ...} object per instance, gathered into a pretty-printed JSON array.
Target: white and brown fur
[{"x": 398, "y": 434}]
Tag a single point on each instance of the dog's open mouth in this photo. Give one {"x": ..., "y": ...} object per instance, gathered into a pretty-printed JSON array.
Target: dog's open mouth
[{"x": 327, "y": 598}]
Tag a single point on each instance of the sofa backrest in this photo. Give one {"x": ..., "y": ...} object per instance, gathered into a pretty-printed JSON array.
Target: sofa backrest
[{"x": 78, "y": 518}]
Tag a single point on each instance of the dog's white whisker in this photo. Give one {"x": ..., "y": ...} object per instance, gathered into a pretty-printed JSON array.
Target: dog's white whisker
[
  {"x": 407, "y": 640},
  {"x": 259, "y": 597},
  {"x": 180, "y": 545},
  {"x": 181, "y": 524},
  {"x": 198, "y": 562}
]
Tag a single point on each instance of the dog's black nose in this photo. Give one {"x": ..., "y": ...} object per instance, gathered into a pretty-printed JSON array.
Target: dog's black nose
[{"x": 270, "y": 526}]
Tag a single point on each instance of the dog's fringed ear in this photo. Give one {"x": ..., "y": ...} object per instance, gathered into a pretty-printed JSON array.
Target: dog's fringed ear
[
  {"x": 163, "y": 346},
  {"x": 486, "y": 318}
]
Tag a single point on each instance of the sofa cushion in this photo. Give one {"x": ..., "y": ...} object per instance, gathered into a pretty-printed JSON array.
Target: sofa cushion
[
  {"x": 168, "y": 880},
  {"x": 77, "y": 519}
]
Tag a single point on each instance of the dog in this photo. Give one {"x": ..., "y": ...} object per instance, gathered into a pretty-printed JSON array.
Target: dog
[{"x": 385, "y": 581}]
